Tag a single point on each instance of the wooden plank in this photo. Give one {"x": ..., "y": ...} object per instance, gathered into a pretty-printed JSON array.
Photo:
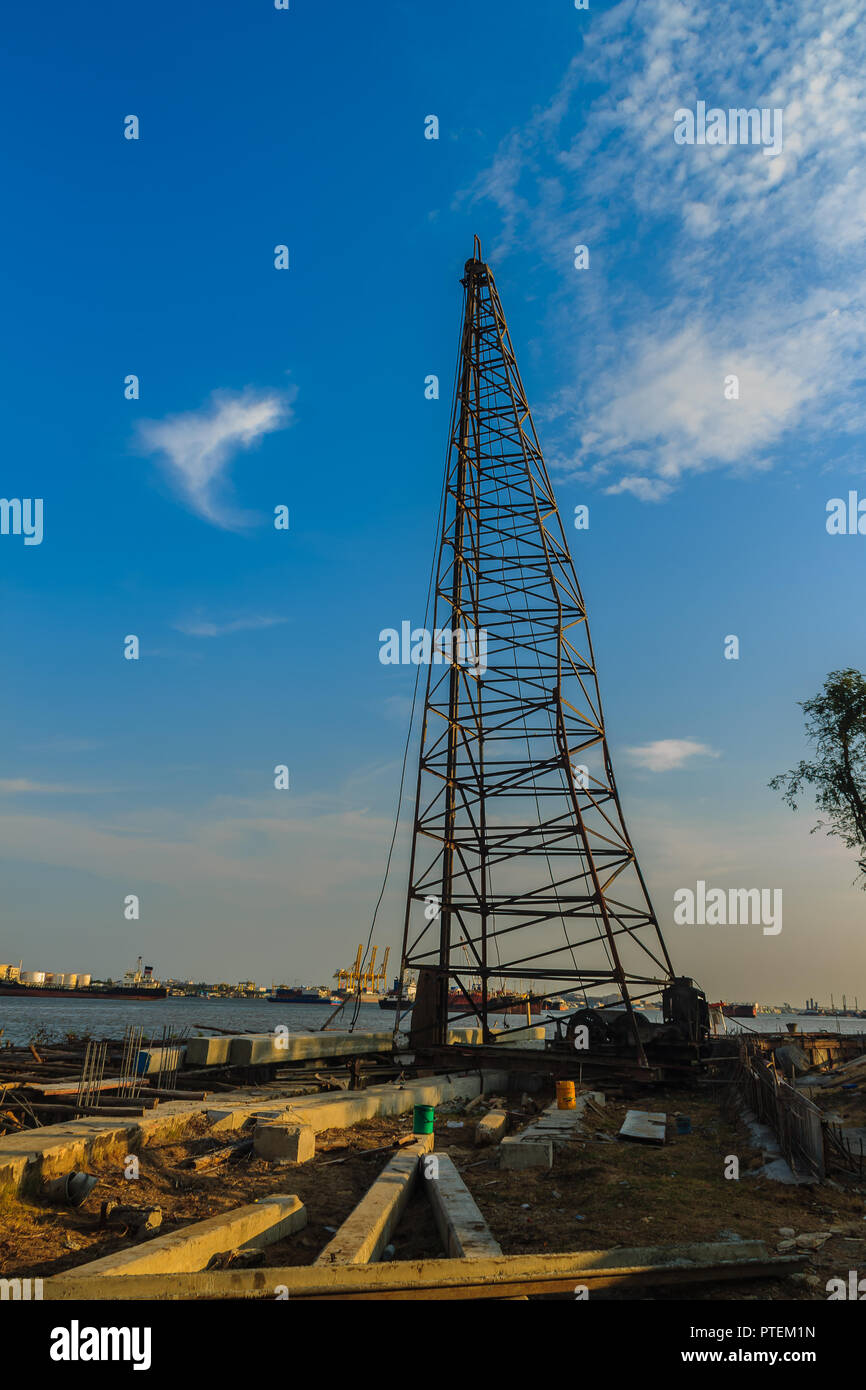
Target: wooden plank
[{"x": 644, "y": 1127}]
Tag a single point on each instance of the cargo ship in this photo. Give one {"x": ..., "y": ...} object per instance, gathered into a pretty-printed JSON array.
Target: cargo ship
[
  {"x": 14, "y": 989},
  {"x": 303, "y": 994},
  {"x": 498, "y": 1001},
  {"x": 737, "y": 1010},
  {"x": 39, "y": 984},
  {"x": 507, "y": 1002}
]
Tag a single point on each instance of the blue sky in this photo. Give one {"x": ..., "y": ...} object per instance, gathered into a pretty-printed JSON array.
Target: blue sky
[{"x": 305, "y": 387}]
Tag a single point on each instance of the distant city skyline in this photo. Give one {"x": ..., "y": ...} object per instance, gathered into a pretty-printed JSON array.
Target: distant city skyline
[{"x": 239, "y": 465}]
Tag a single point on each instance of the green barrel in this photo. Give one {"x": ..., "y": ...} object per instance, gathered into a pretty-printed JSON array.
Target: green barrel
[{"x": 422, "y": 1119}]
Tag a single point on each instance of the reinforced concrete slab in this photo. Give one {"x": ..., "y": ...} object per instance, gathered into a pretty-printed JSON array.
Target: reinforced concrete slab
[
  {"x": 365, "y": 1233},
  {"x": 644, "y": 1127},
  {"x": 259, "y": 1049},
  {"x": 208, "y": 1052},
  {"x": 151, "y": 1060},
  {"x": 35, "y": 1154},
  {"x": 561, "y": 1127},
  {"x": 462, "y": 1229},
  {"x": 190, "y": 1249},
  {"x": 506, "y": 1276},
  {"x": 534, "y": 1146},
  {"x": 339, "y": 1110}
]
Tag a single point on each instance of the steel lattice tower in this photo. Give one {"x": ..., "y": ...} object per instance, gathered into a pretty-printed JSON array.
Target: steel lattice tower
[{"x": 519, "y": 839}]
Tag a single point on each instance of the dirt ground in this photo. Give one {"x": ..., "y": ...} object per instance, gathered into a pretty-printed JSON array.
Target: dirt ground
[
  {"x": 844, "y": 1099},
  {"x": 600, "y": 1193},
  {"x": 606, "y": 1193}
]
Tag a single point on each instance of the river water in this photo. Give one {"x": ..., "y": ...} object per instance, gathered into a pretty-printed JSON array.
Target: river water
[{"x": 51, "y": 1019}]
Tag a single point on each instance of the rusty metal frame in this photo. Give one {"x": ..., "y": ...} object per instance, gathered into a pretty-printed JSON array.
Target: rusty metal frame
[{"x": 531, "y": 863}]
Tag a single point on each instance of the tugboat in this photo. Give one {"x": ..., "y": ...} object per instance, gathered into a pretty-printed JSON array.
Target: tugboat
[{"x": 392, "y": 1000}]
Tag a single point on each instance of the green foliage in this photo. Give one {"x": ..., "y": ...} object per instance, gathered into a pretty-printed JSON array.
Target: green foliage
[{"x": 836, "y": 777}]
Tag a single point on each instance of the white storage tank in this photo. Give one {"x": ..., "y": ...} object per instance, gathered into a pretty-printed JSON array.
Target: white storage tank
[
  {"x": 82, "y": 981},
  {"x": 67, "y": 981},
  {"x": 51, "y": 978},
  {"x": 33, "y": 977}
]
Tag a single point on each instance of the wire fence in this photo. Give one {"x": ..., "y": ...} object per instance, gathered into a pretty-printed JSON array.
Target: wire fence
[
  {"x": 795, "y": 1121},
  {"x": 849, "y": 1151}
]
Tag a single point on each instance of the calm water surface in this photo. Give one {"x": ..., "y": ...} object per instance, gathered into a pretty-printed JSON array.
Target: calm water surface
[{"x": 52, "y": 1019}]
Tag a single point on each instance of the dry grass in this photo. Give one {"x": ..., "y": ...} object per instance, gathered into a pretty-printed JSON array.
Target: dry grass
[{"x": 625, "y": 1194}]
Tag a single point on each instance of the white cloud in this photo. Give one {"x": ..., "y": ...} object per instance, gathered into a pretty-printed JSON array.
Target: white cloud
[
  {"x": 646, "y": 489},
  {"x": 198, "y": 446},
  {"x": 666, "y": 754},
  {"x": 671, "y": 398},
  {"x": 705, "y": 261},
  {"x": 199, "y": 628},
  {"x": 398, "y": 708},
  {"x": 700, "y": 218}
]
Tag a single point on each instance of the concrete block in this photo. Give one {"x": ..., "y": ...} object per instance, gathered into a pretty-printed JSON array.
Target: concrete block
[
  {"x": 527, "y": 1037},
  {"x": 208, "y": 1052},
  {"x": 584, "y": 1098},
  {"x": 281, "y": 1141},
  {"x": 190, "y": 1249},
  {"x": 256, "y": 1049},
  {"x": 261, "y": 1049},
  {"x": 516, "y": 1152},
  {"x": 32, "y": 1156},
  {"x": 491, "y": 1127},
  {"x": 150, "y": 1060}
]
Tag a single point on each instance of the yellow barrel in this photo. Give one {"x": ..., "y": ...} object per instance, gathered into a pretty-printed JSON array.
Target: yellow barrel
[{"x": 565, "y": 1095}]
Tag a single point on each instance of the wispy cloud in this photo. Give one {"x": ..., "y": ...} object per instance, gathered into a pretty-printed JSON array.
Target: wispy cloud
[
  {"x": 398, "y": 708},
  {"x": 13, "y": 786},
  {"x": 705, "y": 261},
  {"x": 667, "y": 754},
  {"x": 198, "y": 446},
  {"x": 195, "y": 627}
]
